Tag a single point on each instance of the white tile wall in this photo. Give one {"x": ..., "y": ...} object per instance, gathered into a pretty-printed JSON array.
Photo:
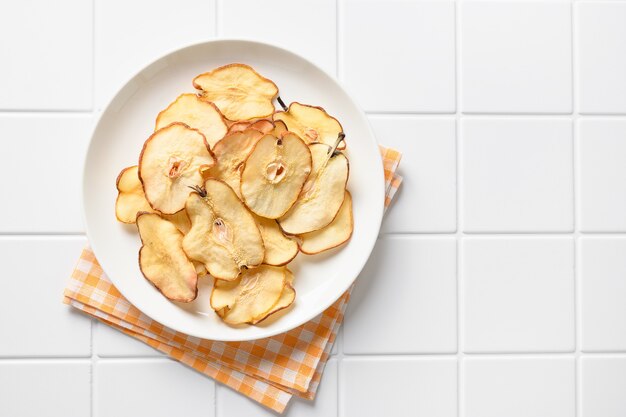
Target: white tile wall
[
  {"x": 399, "y": 55},
  {"x": 518, "y": 294},
  {"x": 411, "y": 310},
  {"x": 517, "y": 175},
  {"x": 45, "y": 388},
  {"x": 519, "y": 387},
  {"x": 152, "y": 387},
  {"x": 602, "y": 56},
  {"x": 46, "y": 55},
  {"x": 602, "y": 267},
  {"x": 602, "y": 175},
  {"x": 306, "y": 26},
  {"x": 373, "y": 387},
  {"x": 516, "y": 56},
  {"x": 603, "y": 386},
  {"x": 32, "y": 319},
  {"x": 124, "y": 47},
  {"x": 497, "y": 285},
  {"x": 426, "y": 202},
  {"x": 45, "y": 172}
]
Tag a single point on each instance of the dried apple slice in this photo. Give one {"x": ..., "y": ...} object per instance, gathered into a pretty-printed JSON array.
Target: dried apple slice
[
  {"x": 130, "y": 198},
  {"x": 171, "y": 161},
  {"x": 223, "y": 235},
  {"x": 238, "y": 91},
  {"x": 231, "y": 152},
  {"x": 322, "y": 194},
  {"x": 279, "y": 249},
  {"x": 274, "y": 173},
  {"x": 162, "y": 260},
  {"x": 311, "y": 123},
  {"x": 197, "y": 114},
  {"x": 333, "y": 235},
  {"x": 250, "y": 298}
]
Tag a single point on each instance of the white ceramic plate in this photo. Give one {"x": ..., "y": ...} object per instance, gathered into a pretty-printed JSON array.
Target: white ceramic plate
[{"x": 128, "y": 121}]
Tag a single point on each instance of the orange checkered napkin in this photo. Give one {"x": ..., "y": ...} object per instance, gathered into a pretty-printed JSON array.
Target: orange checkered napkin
[{"x": 269, "y": 371}]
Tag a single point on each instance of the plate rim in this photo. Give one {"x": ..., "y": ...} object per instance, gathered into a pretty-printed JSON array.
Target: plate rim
[{"x": 379, "y": 211}]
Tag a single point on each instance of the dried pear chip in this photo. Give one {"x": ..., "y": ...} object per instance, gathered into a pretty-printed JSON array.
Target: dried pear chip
[
  {"x": 311, "y": 123},
  {"x": 180, "y": 220},
  {"x": 162, "y": 260},
  {"x": 251, "y": 297},
  {"x": 322, "y": 194},
  {"x": 130, "y": 197},
  {"x": 262, "y": 125},
  {"x": 274, "y": 174},
  {"x": 287, "y": 297},
  {"x": 196, "y": 113},
  {"x": 279, "y": 249},
  {"x": 200, "y": 268},
  {"x": 336, "y": 233},
  {"x": 280, "y": 129},
  {"x": 171, "y": 161},
  {"x": 231, "y": 152},
  {"x": 131, "y": 200},
  {"x": 238, "y": 91},
  {"x": 223, "y": 235}
]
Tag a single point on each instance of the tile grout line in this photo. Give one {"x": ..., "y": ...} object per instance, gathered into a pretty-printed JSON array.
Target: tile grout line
[
  {"x": 576, "y": 218},
  {"x": 460, "y": 393},
  {"x": 94, "y": 362}
]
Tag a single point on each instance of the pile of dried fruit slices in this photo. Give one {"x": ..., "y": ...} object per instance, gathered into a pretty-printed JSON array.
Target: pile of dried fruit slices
[{"x": 229, "y": 187}]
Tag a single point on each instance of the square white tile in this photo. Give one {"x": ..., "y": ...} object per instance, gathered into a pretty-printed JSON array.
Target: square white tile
[
  {"x": 308, "y": 27},
  {"x": 110, "y": 342},
  {"x": 33, "y": 319},
  {"x": 519, "y": 387},
  {"x": 47, "y": 186},
  {"x": 123, "y": 48},
  {"x": 517, "y": 175},
  {"x": 405, "y": 271},
  {"x": 518, "y": 294},
  {"x": 516, "y": 56},
  {"x": 231, "y": 403},
  {"x": 152, "y": 387},
  {"x": 602, "y": 175},
  {"x": 46, "y": 55},
  {"x": 601, "y": 56},
  {"x": 421, "y": 78},
  {"x": 398, "y": 387},
  {"x": 603, "y": 386},
  {"x": 602, "y": 266},
  {"x": 426, "y": 201},
  {"x": 44, "y": 388}
]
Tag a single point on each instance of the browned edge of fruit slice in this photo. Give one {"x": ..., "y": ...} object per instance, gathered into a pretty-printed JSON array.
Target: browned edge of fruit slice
[
  {"x": 162, "y": 260},
  {"x": 164, "y": 174}
]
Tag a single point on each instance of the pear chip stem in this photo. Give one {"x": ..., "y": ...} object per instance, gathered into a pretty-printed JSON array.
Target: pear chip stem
[
  {"x": 282, "y": 103},
  {"x": 199, "y": 190},
  {"x": 340, "y": 138}
]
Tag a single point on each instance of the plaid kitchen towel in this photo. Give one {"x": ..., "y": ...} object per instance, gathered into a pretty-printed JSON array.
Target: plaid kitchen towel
[{"x": 269, "y": 371}]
